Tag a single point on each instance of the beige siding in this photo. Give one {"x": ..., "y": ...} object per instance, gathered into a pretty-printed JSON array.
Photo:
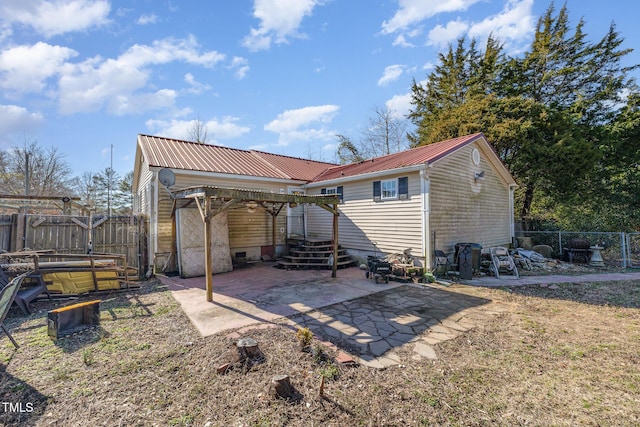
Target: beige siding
[
  {"x": 392, "y": 225},
  {"x": 143, "y": 204},
  {"x": 466, "y": 210},
  {"x": 248, "y": 232}
]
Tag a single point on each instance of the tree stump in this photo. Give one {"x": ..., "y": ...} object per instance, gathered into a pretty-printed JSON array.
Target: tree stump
[
  {"x": 280, "y": 386},
  {"x": 248, "y": 348}
]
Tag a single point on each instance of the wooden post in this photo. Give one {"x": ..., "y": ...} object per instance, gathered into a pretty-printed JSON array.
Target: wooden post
[
  {"x": 208, "y": 271},
  {"x": 334, "y": 267}
]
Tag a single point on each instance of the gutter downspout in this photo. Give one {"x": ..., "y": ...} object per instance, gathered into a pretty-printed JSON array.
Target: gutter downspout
[
  {"x": 426, "y": 211},
  {"x": 512, "y": 227}
]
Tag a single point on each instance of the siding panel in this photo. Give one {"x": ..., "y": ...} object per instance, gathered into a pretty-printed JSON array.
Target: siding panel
[
  {"x": 466, "y": 210},
  {"x": 388, "y": 226}
]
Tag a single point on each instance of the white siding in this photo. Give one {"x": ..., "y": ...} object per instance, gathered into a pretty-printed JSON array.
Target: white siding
[
  {"x": 365, "y": 225},
  {"x": 142, "y": 204}
]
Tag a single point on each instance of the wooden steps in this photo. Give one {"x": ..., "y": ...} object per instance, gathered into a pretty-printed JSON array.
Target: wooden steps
[{"x": 314, "y": 254}]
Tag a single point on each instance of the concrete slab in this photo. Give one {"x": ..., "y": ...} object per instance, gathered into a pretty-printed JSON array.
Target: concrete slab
[{"x": 263, "y": 294}]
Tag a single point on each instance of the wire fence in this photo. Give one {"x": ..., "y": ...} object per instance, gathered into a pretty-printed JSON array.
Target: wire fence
[{"x": 618, "y": 248}]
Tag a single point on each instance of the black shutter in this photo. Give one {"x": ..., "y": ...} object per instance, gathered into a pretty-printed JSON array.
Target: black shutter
[
  {"x": 323, "y": 191},
  {"x": 403, "y": 188},
  {"x": 377, "y": 191},
  {"x": 340, "y": 191}
]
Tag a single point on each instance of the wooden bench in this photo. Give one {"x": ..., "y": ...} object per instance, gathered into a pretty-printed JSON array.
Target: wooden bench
[{"x": 578, "y": 248}]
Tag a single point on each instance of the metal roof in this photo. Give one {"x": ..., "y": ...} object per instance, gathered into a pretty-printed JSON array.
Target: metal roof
[
  {"x": 415, "y": 156},
  {"x": 178, "y": 154}
]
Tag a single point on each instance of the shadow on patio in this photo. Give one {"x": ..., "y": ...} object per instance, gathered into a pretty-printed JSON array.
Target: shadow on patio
[{"x": 363, "y": 318}]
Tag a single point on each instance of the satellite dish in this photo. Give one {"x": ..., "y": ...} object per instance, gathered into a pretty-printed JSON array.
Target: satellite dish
[{"x": 166, "y": 177}]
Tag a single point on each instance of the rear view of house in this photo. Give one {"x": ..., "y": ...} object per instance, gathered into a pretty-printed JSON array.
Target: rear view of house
[{"x": 426, "y": 198}]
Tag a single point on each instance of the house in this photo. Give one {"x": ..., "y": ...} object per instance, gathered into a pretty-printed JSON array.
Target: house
[{"x": 426, "y": 198}]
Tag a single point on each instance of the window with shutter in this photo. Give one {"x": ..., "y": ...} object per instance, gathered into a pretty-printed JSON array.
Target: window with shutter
[
  {"x": 377, "y": 191},
  {"x": 403, "y": 188}
]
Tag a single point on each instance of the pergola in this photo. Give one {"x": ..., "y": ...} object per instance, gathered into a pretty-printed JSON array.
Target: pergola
[{"x": 212, "y": 201}]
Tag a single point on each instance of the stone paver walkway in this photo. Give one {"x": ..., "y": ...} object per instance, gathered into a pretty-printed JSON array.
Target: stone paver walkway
[{"x": 374, "y": 327}]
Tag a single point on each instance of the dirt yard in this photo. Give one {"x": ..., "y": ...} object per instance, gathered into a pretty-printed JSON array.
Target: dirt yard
[{"x": 562, "y": 355}]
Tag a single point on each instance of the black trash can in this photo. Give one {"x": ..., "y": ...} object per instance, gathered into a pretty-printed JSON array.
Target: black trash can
[{"x": 468, "y": 256}]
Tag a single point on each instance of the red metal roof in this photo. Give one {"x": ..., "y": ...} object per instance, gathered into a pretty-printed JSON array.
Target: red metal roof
[
  {"x": 415, "y": 156},
  {"x": 302, "y": 169},
  {"x": 177, "y": 154}
]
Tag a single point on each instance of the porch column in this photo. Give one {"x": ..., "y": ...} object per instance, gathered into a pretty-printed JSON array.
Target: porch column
[
  {"x": 208, "y": 264},
  {"x": 334, "y": 267}
]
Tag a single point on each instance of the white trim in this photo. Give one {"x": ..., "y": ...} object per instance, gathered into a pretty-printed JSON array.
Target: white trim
[
  {"x": 377, "y": 174},
  {"x": 389, "y": 180},
  {"x": 425, "y": 189}
]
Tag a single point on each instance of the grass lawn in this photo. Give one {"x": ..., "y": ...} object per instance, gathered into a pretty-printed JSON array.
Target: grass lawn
[{"x": 564, "y": 355}]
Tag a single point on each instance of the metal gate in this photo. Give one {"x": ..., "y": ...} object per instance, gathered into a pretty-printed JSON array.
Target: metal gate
[{"x": 633, "y": 249}]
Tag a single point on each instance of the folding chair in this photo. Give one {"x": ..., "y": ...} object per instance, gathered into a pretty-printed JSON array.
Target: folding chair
[
  {"x": 442, "y": 264},
  {"x": 7, "y": 295}
]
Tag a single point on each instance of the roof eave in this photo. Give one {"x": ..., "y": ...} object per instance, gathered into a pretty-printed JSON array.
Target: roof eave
[{"x": 368, "y": 175}]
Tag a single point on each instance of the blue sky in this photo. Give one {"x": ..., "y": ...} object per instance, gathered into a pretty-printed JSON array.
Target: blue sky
[{"x": 283, "y": 76}]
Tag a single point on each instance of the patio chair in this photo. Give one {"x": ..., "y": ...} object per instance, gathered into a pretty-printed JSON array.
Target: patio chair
[
  {"x": 442, "y": 264},
  {"x": 28, "y": 294},
  {"x": 7, "y": 296}
]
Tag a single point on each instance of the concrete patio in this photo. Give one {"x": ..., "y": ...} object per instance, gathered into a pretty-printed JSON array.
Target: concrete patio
[{"x": 369, "y": 321}]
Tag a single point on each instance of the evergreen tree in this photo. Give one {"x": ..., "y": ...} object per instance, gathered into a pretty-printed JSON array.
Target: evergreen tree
[{"x": 544, "y": 112}]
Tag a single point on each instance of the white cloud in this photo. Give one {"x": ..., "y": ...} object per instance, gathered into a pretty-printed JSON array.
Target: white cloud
[
  {"x": 514, "y": 24},
  {"x": 148, "y": 19},
  {"x": 16, "y": 119},
  {"x": 241, "y": 67},
  {"x": 412, "y": 12},
  {"x": 120, "y": 83},
  {"x": 442, "y": 36},
  {"x": 25, "y": 69},
  {"x": 391, "y": 74},
  {"x": 399, "y": 105},
  {"x": 279, "y": 21},
  {"x": 217, "y": 129},
  {"x": 303, "y": 124},
  {"x": 196, "y": 87},
  {"x": 54, "y": 17}
]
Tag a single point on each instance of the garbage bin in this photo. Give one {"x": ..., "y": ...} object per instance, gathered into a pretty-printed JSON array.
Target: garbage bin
[{"x": 468, "y": 256}]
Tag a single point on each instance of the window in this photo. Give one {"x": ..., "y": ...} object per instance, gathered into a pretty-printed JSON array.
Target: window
[
  {"x": 334, "y": 190},
  {"x": 330, "y": 190},
  {"x": 391, "y": 189}
]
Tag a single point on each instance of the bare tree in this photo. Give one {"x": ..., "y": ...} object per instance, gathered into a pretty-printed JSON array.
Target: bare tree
[
  {"x": 384, "y": 135},
  {"x": 49, "y": 173},
  {"x": 197, "y": 131}
]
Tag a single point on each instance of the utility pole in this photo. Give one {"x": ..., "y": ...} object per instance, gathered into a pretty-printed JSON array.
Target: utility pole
[{"x": 109, "y": 179}]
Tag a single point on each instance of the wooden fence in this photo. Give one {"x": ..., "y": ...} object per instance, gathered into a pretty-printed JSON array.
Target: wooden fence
[{"x": 124, "y": 235}]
